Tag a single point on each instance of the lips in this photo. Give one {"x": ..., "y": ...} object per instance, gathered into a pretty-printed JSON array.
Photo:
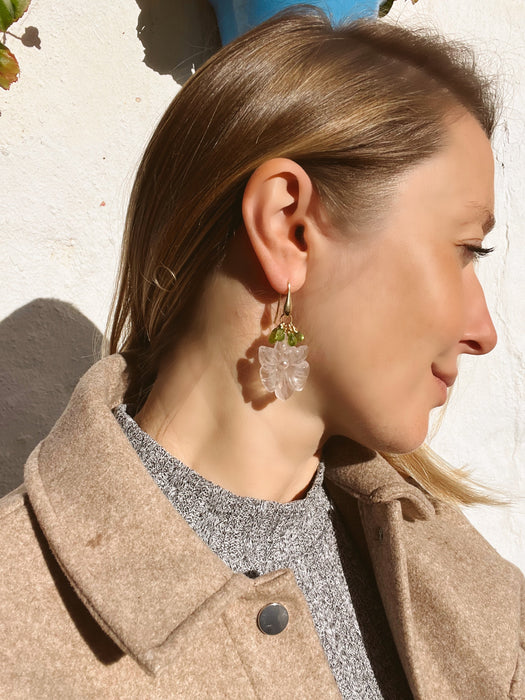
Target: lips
[{"x": 448, "y": 379}]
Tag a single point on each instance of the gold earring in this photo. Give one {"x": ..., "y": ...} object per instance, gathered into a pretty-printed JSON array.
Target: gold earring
[
  {"x": 286, "y": 327},
  {"x": 284, "y": 368}
]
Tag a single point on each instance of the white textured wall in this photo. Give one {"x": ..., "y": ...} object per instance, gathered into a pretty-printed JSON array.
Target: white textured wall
[{"x": 71, "y": 132}]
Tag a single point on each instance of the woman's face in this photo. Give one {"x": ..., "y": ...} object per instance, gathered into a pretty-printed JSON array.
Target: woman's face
[{"x": 388, "y": 310}]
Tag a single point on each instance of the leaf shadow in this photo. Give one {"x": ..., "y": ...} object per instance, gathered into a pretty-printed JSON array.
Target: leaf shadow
[{"x": 178, "y": 36}]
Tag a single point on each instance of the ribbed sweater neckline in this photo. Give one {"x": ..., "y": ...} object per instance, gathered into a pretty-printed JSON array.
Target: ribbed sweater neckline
[{"x": 268, "y": 530}]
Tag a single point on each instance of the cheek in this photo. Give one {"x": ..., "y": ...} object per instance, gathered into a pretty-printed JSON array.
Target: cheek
[
  {"x": 420, "y": 305},
  {"x": 373, "y": 345}
]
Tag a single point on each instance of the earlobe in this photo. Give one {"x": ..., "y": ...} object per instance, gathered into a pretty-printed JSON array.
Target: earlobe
[{"x": 276, "y": 213}]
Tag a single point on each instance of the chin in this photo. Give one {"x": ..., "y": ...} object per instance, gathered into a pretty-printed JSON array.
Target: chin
[
  {"x": 398, "y": 441},
  {"x": 408, "y": 444},
  {"x": 402, "y": 448},
  {"x": 382, "y": 428}
]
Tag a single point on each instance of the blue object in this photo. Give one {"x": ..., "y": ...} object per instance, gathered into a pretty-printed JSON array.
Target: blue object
[{"x": 235, "y": 17}]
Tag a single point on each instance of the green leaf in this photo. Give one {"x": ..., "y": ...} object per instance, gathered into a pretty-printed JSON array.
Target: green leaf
[
  {"x": 10, "y": 11},
  {"x": 9, "y": 68}
]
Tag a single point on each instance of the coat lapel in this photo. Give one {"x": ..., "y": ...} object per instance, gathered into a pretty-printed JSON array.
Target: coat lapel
[{"x": 117, "y": 538}]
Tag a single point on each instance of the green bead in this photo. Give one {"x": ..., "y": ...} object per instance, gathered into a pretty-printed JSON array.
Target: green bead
[
  {"x": 292, "y": 339},
  {"x": 300, "y": 337},
  {"x": 276, "y": 335}
]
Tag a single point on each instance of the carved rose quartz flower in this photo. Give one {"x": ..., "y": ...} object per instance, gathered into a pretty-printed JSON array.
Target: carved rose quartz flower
[{"x": 284, "y": 368}]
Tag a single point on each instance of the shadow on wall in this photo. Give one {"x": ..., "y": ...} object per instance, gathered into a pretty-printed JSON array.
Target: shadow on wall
[
  {"x": 177, "y": 35},
  {"x": 46, "y": 346}
]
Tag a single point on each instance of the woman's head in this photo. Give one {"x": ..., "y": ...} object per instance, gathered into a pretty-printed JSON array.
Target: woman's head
[{"x": 355, "y": 108}]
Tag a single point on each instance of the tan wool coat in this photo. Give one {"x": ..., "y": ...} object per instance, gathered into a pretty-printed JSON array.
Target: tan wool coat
[{"x": 106, "y": 592}]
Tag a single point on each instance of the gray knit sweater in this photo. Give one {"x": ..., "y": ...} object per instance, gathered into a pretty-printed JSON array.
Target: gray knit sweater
[{"x": 307, "y": 536}]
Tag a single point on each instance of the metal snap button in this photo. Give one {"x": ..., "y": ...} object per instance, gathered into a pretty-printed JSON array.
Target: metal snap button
[{"x": 272, "y": 619}]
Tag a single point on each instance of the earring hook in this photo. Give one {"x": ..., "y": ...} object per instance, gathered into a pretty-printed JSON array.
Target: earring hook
[{"x": 288, "y": 303}]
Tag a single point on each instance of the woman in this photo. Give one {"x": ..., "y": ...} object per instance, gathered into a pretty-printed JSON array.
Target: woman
[{"x": 237, "y": 505}]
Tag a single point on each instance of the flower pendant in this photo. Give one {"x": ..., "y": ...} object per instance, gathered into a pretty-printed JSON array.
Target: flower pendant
[{"x": 284, "y": 368}]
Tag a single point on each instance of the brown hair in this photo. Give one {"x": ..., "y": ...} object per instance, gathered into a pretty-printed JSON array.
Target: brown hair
[{"x": 354, "y": 105}]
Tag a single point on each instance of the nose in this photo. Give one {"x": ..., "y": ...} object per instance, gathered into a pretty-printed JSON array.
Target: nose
[{"x": 480, "y": 336}]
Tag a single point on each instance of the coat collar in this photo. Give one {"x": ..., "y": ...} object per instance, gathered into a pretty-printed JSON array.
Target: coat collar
[
  {"x": 119, "y": 540},
  {"x": 372, "y": 480}
]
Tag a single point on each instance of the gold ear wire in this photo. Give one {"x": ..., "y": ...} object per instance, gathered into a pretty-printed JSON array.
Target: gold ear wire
[{"x": 288, "y": 303}]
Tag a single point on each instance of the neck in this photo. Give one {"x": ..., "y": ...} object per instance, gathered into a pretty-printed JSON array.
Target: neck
[{"x": 208, "y": 408}]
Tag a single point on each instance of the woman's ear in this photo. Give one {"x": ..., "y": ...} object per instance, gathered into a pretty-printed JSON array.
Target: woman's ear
[{"x": 276, "y": 209}]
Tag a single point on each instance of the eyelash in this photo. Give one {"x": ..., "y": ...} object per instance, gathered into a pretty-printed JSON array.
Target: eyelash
[{"x": 477, "y": 251}]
